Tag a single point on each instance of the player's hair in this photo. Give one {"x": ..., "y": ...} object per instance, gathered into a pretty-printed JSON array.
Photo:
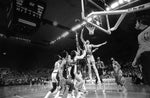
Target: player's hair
[
  {"x": 73, "y": 54},
  {"x": 63, "y": 54}
]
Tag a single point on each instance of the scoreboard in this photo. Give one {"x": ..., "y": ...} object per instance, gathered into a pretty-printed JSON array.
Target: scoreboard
[
  {"x": 26, "y": 15},
  {"x": 29, "y": 12}
]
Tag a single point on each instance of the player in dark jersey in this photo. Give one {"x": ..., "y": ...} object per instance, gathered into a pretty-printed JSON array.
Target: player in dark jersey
[{"x": 100, "y": 67}]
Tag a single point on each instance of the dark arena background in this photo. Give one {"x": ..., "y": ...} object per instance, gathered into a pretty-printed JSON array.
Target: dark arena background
[{"x": 34, "y": 32}]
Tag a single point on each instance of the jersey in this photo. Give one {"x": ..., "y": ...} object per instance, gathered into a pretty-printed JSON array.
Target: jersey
[
  {"x": 62, "y": 68},
  {"x": 89, "y": 49},
  {"x": 99, "y": 64},
  {"x": 116, "y": 67},
  {"x": 54, "y": 75},
  {"x": 57, "y": 66}
]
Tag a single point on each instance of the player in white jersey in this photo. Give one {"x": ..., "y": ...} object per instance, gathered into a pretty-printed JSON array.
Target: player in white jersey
[
  {"x": 54, "y": 77},
  {"x": 119, "y": 79},
  {"x": 80, "y": 85},
  {"x": 90, "y": 58},
  {"x": 143, "y": 53}
]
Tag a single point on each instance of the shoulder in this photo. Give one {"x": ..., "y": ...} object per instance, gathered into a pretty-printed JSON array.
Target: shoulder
[
  {"x": 145, "y": 31},
  {"x": 91, "y": 45},
  {"x": 63, "y": 61},
  {"x": 76, "y": 57},
  {"x": 57, "y": 62}
]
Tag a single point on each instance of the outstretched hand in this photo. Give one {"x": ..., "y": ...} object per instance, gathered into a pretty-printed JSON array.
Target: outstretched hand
[
  {"x": 134, "y": 63},
  {"x": 94, "y": 50},
  {"x": 99, "y": 45}
]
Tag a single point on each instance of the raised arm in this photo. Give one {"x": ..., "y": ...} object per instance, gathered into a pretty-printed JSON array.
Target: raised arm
[
  {"x": 94, "y": 50},
  {"x": 81, "y": 37},
  {"x": 99, "y": 44},
  {"x": 77, "y": 43},
  {"x": 81, "y": 56},
  {"x": 75, "y": 69}
]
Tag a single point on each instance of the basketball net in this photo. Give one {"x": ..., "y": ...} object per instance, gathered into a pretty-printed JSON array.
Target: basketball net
[
  {"x": 90, "y": 28},
  {"x": 97, "y": 21}
]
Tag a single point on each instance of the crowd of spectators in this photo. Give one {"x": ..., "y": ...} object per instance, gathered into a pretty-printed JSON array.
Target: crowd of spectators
[
  {"x": 13, "y": 77},
  {"x": 42, "y": 75}
]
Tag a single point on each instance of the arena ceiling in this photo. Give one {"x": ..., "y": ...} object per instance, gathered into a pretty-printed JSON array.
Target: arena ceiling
[{"x": 122, "y": 43}]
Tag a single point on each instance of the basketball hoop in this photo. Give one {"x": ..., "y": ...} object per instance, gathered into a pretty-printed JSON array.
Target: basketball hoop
[
  {"x": 90, "y": 28},
  {"x": 97, "y": 20}
]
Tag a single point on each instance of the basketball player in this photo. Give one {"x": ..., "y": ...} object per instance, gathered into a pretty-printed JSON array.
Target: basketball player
[
  {"x": 80, "y": 85},
  {"x": 54, "y": 77},
  {"x": 100, "y": 66},
  {"x": 119, "y": 79},
  {"x": 90, "y": 57}
]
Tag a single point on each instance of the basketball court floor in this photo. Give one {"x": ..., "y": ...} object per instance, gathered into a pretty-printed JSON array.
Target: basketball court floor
[{"x": 94, "y": 91}]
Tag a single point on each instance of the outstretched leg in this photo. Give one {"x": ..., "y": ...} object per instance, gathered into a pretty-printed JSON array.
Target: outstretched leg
[
  {"x": 52, "y": 90},
  {"x": 89, "y": 69},
  {"x": 96, "y": 72}
]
